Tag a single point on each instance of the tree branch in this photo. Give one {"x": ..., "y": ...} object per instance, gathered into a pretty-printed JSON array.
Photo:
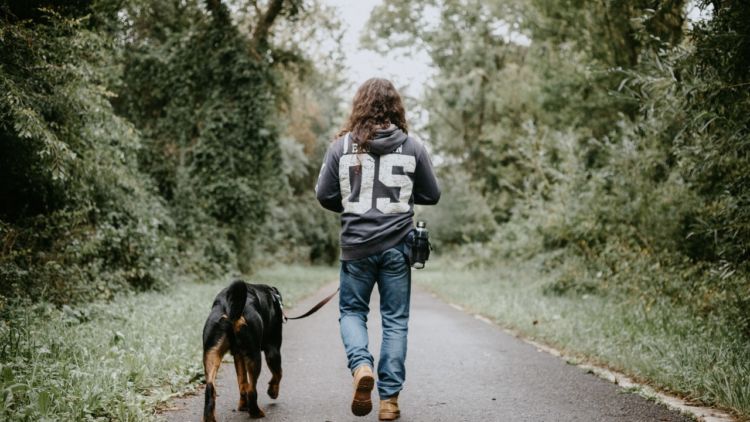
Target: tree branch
[
  {"x": 265, "y": 21},
  {"x": 254, "y": 3}
]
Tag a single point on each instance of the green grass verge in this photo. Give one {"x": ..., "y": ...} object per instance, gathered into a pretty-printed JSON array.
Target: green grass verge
[
  {"x": 117, "y": 360},
  {"x": 665, "y": 346}
]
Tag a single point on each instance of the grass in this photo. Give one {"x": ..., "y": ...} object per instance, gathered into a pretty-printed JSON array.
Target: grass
[
  {"x": 707, "y": 361},
  {"x": 116, "y": 360}
]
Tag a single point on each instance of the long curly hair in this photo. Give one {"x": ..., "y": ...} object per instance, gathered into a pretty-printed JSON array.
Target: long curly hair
[{"x": 376, "y": 105}]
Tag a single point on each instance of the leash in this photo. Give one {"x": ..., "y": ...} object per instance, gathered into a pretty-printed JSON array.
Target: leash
[{"x": 312, "y": 310}]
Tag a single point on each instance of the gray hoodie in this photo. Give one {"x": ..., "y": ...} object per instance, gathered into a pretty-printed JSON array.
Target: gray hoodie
[{"x": 375, "y": 191}]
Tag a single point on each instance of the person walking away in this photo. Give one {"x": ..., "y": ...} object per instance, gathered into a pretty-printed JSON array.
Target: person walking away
[{"x": 373, "y": 174}]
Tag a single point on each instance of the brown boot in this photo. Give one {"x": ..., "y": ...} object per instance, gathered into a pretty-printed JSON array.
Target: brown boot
[
  {"x": 389, "y": 409},
  {"x": 363, "y": 385}
]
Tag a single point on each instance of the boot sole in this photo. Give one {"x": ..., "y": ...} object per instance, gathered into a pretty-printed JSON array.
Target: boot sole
[
  {"x": 389, "y": 416},
  {"x": 362, "y": 401}
]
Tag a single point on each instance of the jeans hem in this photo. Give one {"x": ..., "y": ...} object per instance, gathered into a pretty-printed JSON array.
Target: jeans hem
[
  {"x": 359, "y": 365},
  {"x": 389, "y": 395}
]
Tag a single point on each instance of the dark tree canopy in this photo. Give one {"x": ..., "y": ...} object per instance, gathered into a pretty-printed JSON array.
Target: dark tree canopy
[{"x": 141, "y": 138}]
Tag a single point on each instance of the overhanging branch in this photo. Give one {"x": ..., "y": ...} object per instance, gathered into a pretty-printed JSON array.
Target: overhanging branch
[{"x": 265, "y": 21}]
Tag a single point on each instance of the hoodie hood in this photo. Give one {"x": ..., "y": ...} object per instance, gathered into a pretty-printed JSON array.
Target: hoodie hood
[{"x": 387, "y": 140}]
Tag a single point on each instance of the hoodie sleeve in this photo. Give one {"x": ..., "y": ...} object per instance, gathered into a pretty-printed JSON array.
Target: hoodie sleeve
[
  {"x": 327, "y": 189},
  {"x": 426, "y": 189}
]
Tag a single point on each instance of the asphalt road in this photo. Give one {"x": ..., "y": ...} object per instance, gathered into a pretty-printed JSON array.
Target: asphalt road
[{"x": 458, "y": 369}]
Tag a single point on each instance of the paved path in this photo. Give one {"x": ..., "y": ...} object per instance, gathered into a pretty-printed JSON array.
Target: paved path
[{"x": 458, "y": 369}]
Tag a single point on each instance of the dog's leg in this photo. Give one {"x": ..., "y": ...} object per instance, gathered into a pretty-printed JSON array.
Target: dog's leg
[
  {"x": 273, "y": 359},
  {"x": 211, "y": 363},
  {"x": 253, "y": 363},
  {"x": 242, "y": 383}
]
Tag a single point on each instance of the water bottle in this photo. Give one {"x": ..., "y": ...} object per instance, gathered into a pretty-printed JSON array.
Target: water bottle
[{"x": 421, "y": 248}]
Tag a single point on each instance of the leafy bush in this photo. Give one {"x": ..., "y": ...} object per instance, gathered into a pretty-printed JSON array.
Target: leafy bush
[
  {"x": 78, "y": 220},
  {"x": 715, "y": 149},
  {"x": 297, "y": 229},
  {"x": 204, "y": 102},
  {"x": 463, "y": 215}
]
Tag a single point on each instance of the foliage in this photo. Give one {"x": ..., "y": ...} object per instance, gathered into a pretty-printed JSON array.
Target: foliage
[
  {"x": 608, "y": 132},
  {"x": 203, "y": 103},
  {"x": 715, "y": 151},
  {"x": 297, "y": 230},
  {"x": 141, "y": 138},
  {"x": 231, "y": 133},
  {"x": 78, "y": 219},
  {"x": 459, "y": 198}
]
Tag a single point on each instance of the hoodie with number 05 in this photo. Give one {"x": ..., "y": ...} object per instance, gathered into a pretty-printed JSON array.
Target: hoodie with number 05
[{"x": 376, "y": 190}]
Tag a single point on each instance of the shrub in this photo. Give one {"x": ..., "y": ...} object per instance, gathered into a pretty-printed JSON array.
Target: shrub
[{"x": 77, "y": 220}]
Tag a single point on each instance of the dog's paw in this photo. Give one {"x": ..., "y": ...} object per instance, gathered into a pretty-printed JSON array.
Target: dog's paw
[
  {"x": 273, "y": 391},
  {"x": 257, "y": 414},
  {"x": 242, "y": 405}
]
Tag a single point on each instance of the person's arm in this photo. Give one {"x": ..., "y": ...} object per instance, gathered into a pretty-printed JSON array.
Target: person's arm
[
  {"x": 426, "y": 188},
  {"x": 327, "y": 190}
]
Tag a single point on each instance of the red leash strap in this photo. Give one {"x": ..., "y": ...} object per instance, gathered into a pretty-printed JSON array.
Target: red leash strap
[{"x": 313, "y": 309}]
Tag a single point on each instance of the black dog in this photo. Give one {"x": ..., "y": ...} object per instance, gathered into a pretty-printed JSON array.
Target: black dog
[{"x": 245, "y": 319}]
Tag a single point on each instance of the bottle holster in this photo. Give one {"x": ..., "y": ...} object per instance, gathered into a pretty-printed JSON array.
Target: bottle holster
[{"x": 416, "y": 248}]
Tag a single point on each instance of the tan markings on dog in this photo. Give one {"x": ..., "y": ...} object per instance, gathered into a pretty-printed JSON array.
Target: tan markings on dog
[
  {"x": 239, "y": 324},
  {"x": 212, "y": 359},
  {"x": 275, "y": 381},
  {"x": 252, "y": 374},
  {"x": 276, "y": 371},
  {"x": 211, "y": 363},
  {"x": 242, "y": 384},
  {"x": 224, "y": 316},
  {"x": 251, "y": 381},
  {"x": 276, "y": 377},
  {"x": 273, "y": 385}
]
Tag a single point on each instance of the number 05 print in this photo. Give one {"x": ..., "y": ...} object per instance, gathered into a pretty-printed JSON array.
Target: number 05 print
[{"x": 365, "y": 202}]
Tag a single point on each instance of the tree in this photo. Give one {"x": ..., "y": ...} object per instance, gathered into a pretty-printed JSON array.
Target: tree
[{"x": 204, "y": 95}]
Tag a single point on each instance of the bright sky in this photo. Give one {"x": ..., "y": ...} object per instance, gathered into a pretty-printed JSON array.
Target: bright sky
[{"x": 409, "y": 74}]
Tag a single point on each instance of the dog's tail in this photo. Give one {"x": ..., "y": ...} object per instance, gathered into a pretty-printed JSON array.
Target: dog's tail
[{"x": 236, "y": 297}]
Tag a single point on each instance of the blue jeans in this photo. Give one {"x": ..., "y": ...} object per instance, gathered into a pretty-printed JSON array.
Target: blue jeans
[{"x": 390, "y": 270}]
